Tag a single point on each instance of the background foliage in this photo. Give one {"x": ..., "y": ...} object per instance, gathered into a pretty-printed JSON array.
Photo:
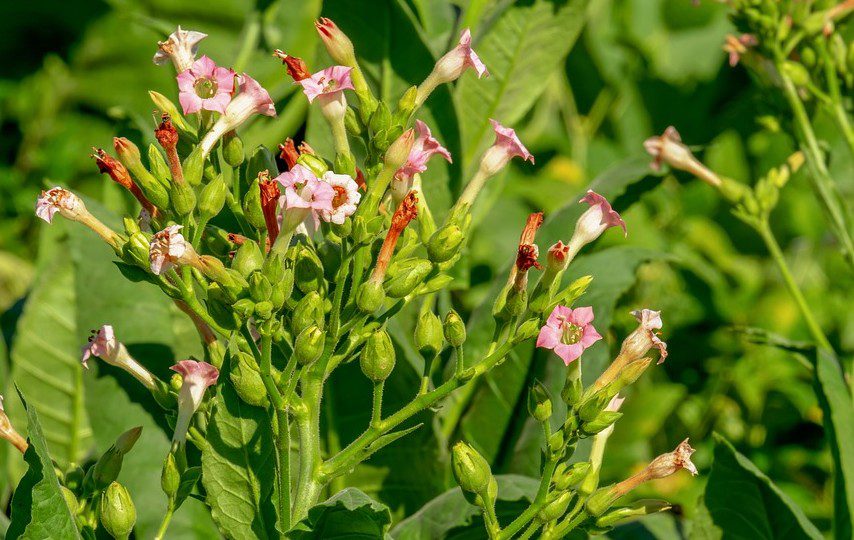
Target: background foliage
[{"x": 585, "y": 82}]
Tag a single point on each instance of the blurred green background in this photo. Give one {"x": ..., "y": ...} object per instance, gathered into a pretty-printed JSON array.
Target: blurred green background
[{"x": 76, "y": 73}]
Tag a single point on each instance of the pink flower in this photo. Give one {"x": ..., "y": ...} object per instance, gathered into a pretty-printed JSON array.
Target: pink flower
[
  {"x": 645, "y": 337},
  {"x": 59, "y": 200},
  {"x": 568, "y": 332},
  {"x": 615, "y": 403},
  {"x": 345, "y": 199},
  {"x": 196, "y": 378},
  {"x": 167, "y": 249},
  {"x": 600, "y": 211},
  {"x": 205, "y": 86},
  {"x": 454, "y": 63},
  {"x": 103, "y": 344},
  {"x": 305, "y": 196},
  {"x": 737, "y": 46},
  {"x": 251, "y": 99},
  {"x": 423, "y": 149},
  {"x": 180, "y": 47},
  {"x": 328, "y": 82},
  {"x": 506, "y": 146},
  {"x": 668, "y": 148}
]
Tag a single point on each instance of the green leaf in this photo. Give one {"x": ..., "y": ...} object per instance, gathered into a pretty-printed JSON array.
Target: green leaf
[
  {"x": 39, "y": 509},
  {"x": 450, "y": 516},
  {"x": 238, "y": 468},
  {"x": 347, "y": 514},
  {"x": 527, "y": 44},
  {"x": 45, "y": 356},
  {"x": 835, "y": 401},
  {"x": 745, "y": 503}
]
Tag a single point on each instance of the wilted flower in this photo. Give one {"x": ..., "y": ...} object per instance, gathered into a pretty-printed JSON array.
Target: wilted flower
[
  {"x": 168, "y": 248},
  {"x": 557, "y": 258},
  {"x": 180, "y": 47},
  {"x": 251, "y": 99},
  {"x": 451, "y": 66},
  {"x": 668, "y": 148},
  {"x": 344, "y": 201},
  {"x": 104, "y": 345},
  {"x": 60, "y": 200},
  {"x": 196, "y": 378},
  {"x": 109, "y": 165},
  {"x": 327, "y": 83},
  {"x": 645, "y": 337},
  {"x": 205, "y": 86},
  {"x": 568, "y": 332},
  {"x": 296, "y": 66},
  {"x": 270, "y": 194}
]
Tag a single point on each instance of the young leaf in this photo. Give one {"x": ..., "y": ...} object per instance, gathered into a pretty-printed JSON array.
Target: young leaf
[
  {"x": 238, "y": 468},
  {"x": 39, "y": 509},
  {"x": 347, "y": 514},
  {"x": 746, "y": 504}
]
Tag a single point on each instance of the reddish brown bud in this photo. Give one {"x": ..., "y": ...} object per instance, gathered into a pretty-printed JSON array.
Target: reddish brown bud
[
  {"x": 165, "y": 133},
  {"x": 305, "y": 148},
  {"x": 526, "y": 257},
  {"x": 237, "y": 239},
  {"x": 270, "y": 194},
  {"x": 288, "y": 152},
  {"x": 120, "y": 175},
  {"x": 406, "y": 212},
  {"x": 296, "y": 66}
]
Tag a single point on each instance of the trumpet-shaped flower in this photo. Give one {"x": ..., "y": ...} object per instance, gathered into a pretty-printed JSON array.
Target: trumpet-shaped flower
[
  {"x": 424, "y": 147},
  {"x": 668, "y": 148},
  {"x": 205, "y": 86},
  {"x": 196, "y": 378},
  {"x": 180, "y": 47},
  {"x": 568, "y": 332},
  {"x": 104, "y": 345},
  {"x": 327, "y": 83},
  {"x": 305, "y": 196},
  {"x": 251, "y": 99},
  {"x": 460, "y": 58}
]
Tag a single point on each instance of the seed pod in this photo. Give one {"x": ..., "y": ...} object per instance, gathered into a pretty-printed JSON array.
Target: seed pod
[
  {"x": 116, "y": 511},
  {"x": 445, "y": 243},
  {"x": 428, "y": 335},
  {"x": 470, "y": 469},
  {"x": 247, "y": 381},
  {"x": 309, "y": 345},
  {"x": 264, "y": 310},
  {"x": 378, "y": 356},
  {"x": 406, "y": 276},
  {"x": 454, "y": 329},
  {"x": 232, "y": 149},
  {"x": 370, "y": 297},
  {"x": 260, "y": 288},
  {"x": 539, "y": 402},
  {"x": 274, "y": 268},
  {"x": 572, "y": 475},
  {"x": 170, "y": 476},
  {"x": 194, "y": 167},
  {"x": 308, "y": 272},
  {"x": 183, "y": 198},
  {"x": 212, "y": 198},
  {"x": 247, "y": 258},
  {"x": 252, "y": 206},
  {"x": 308, "y": 312},
  {"x": 109, "y": 465},
  {"x": 556, "y": 508}
]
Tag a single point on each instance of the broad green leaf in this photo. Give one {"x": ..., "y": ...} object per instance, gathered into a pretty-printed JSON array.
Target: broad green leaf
[
  {"x": 745, "y": 503},
  {"x": 450, "y": 516},
  {"x": 238, "y": 469},
  {"x": 39, "y": 509},
  {"x": 521, "y": 51},
  {"x": 347, "y": 514},
  {"x": 45, "y": 357},
  {"x": 835, "y": 401}
]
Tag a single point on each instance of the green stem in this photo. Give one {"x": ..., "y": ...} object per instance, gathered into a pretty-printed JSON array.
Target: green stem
[
  {"x": 821, "y": 181},
  {"x": 777, "y": 254},
  {"x": 571, "y": 522},
  {"x": 537, "y": 505},
  {"x": 529, "y": 532},
  {"x": 308, "y": 427},
  {"x": 161, "y": 532},
  {"x": 265, "y": 367},
  {"x": 839, "y": 114},
  {"x": 283, "y": 452},
  {"x": 377, "y": 409}
]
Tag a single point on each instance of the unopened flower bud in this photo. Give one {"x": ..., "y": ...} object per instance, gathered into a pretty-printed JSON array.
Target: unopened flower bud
[
  {"x": 555, "y": 509},
  {"x": 170, "y": 477},
  {"x": 246, "y": 379},
  {"x": 406, "y": 104},
  {"x": 274, "y": 268},
  {"x": 380, "y": 119},
  {"x": 129, "y": 155},
  {"x": 244, "y": 308},
  {"x": 592, "y": 406},
  {"x": 351, "y": 122},
  {"x": 428, "y": 335},
  {"x": 157, "y": 164},
  {"x": 445, "y": 243},
  {"x": 470, "y": 469},
  {"x": 232, "y": 149},
  {"x": 264, "y": 310},
  {"x": 338, "y": 45},
  {"x": 604, "y": 420},
  {"x": 313, "y": 163},
  {"x": 309, "y": 345},
  {"x": 539, "y": 402},
  {"x": 797, "y": 72},
  {"x": 378, "y": 356},
  {"x": 572, "y": 475},
  {"x": 454, "y": 329},
  {"x": 247, "y": 258},
  {"x": 404, "y": 277},
  {"x": 308, "y": 271},
  {"x": 116, "y": 511},
  {"x": 136, "y": 249},
  {"x": 194, "y": 167},
  {"x": 106, "y": 469},
  {"x": 260, "y": 288},
  {"x": 370, "y": 297},
  {"x": 308, "y": 312},
  {"x": 252, "y": 209},
  {"x": 527, "y": 330},
  {"x": 668, "y": 148},
  {"x": 183, "y": 198},
  {"x": 212, "y": 198},
  {"x": 398, "y": 151},
  {"x": 639, "y": 508}
]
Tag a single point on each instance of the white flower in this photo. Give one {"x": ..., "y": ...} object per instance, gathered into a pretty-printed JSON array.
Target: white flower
[
  {"x": 180, "y": 47},
  {"x": 344, "y": 201}
]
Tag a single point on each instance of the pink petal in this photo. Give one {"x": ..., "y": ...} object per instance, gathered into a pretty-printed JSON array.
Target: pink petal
[
  {"x": 581, "y": 316},
  {"x": 217, "y": 103},
  {"x": 549, "y": 337},
  {"x": 190, "y": 102},
  {"x": 224, "y": 80},
  {"x": 186, "y": 80},
  {"x": 203, "y": 67},
  {"x": 558, "y": 315},
  {"x": 589, "y": 336},
  {"x": 569, "y": 352}
]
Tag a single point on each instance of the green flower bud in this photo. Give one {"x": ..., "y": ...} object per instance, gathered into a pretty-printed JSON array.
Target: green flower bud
[
  {"x": 137, "y": 248},
  {"x": 629, "y": 374},
  {"x": 600, "y": 501},
  {"x": 313, "y": 163},
  {"x": 445, "y": 243},
  {"x": 247, "y": 258},
  {"x": 252, "y": 206},
  {"x": 183, "y": 198},
  {"x": 511, "y": 305},
  {"x": 232, "y": 149},
  {"x": 636, "y": 509},
  {"x": 259, "y": 287},
  {"x": 527, "y": 330},
  {"x": 130, "y": 225},
  {"x": 116, "y": 511},
  {"x": 454, "y": 329},
  {"x": 158, "y": 166},
  {"x": 264, "y": 310},
  {"x": 381, "y": 119},
  {"x": 220, "y": 307},
  {"x": 308, "y": 272},
  {"x": 572, "y": 475},
  {"x": 212, "y": 198},
  {"x": 539, "y": 402},
  {"x": 572, "y": 391},
  {"x": 170, "y": 477},
  {"x": 194, "y": 167},
  {"x": 246, "y": 379},
  {"x": 556, "y": 508},
  {"x": 109, "y": 465},
  {"x": 151, "y": 187},
  {"x": 602, "y": 421},
  {"x": 351, "y": 122},
  {"x": 244, "y": 308},
  {"x": 797, "y": 72},
  {"x": 406, "y": 104},
  {"x": 592, "y": 406},
  {"x": 398, "y": 151},
  {"x": 165, "y": 104},
  {"x": 308, "y": 312},
  {"x": 470, "y": 469},
  {"x": 378, "y": 357},
  {"x": 405, "y": 276},
  {"x": 274, "y": 268},
  {"x": 74, "y": 478},
  {"x": 435, "y": 284},
  {"x": 309, "y": 345},
  {"x": 428, "y": 335},
  {"x": 370, "y": 297}
]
